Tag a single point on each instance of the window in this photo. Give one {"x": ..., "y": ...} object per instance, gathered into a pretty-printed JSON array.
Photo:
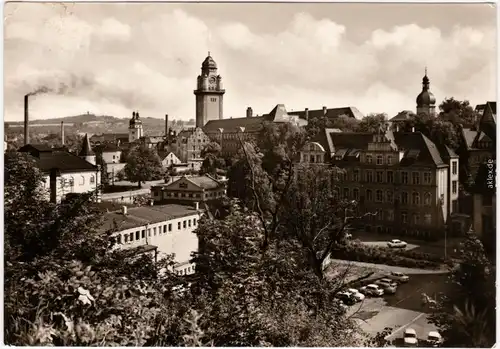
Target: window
[
  {"x": 170, "y": 227},
  {"x": 189, "y": 223},
  {"x": 149, "y": 232},
  {"x": 213, "y": 99},
  {"x": 143, "y": 234},
  {"x": 125, "y": 238},
  {"x": 137, "y": 235},
  {"x": 311, "y": 158},
  {"x": 380, "y": 160},
  {"x": 184, "y": 224},
  {"x": 415, "y": 198},
  {"x": 454, "y": 187},
  {"x": 131, "y": 237},
  {"x": 179, "y": 225},
  {"x": 389, "y": 160},
  {"x": 427, "y": 218},
  {"x": 369, "y": 159},
  {"x": 404, "y": 197},
  {"x": 355, "y": 194},
  {"x": 194, "y": 221},
  {"x": 154, "y": 231},
  {"x": 380, "y": 177},
  {"x": 369, "y": 176},
  {"x": 346, "y": 193},
  {"x": 403, "y": 217},
  {"x": 380, "y": 214},
  {"x": 118, "y": 239},
  {"x": 369, "y": 195},
  {"x": 355, "y": 175},
  {"x": 416, "y": 218},
  {"x": 82, "y": 180},
  {"x": 454, "y": 168},
  {"x": 390, "y": 215},
  {"x": 92, "y": 179},
  {"x": 390, "y": 177},
  {"x": 427, "y": 199},
  {"x": 415, "y": 178},
  {"x": 427, "y": 178},
  {"x": 404, "y": 177},
  {"x": 379, "y": 196},
  {"x": 71, "y": 181},
  {"x": 165, "y": 228},
  {"x": 389, "y": 196}
]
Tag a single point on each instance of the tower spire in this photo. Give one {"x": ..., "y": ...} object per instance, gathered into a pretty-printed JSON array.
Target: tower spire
[{"x": 425, "y": 68}]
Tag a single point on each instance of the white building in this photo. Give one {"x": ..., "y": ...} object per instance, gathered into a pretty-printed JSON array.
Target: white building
[
  {"x": 66, "y": 173},
  {"x": 162, "y": 230},
  {"x": 169, "y": 159}
]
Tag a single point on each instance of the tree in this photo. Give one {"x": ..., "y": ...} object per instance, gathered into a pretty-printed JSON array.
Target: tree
[
  {"x": 343, "y": 122},
  {"x": 437, "y": 130},
  {"x": 143, "y": 164},
  {"x": 466, "y": 315},
  {"x": 373, "y": 123},
  {"x": 457, "y": 112},
  {"x": 212, "y": 162},
  {"x": 104, "y": 167}
]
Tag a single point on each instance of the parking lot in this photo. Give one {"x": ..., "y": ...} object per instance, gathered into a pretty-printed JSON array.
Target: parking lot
[{"x": 401, "y": 310}]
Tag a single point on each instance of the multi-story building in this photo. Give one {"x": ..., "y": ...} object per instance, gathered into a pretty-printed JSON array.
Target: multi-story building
[
  {"x": 168, "y": 159},
  {"x": 402, "y": 177},
  {"x": 190, "y": 143},
  {"x": 186, "y": 190},
  {"x": 65, "y": 172},
  {"x": 158, "y": 230},
  {"x": 135, "y": 130}
]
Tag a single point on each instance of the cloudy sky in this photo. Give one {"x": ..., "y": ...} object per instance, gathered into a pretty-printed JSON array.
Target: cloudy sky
[{"x": 116, "y": 58}]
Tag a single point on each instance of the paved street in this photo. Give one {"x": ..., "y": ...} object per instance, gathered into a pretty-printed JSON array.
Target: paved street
[
  {"x": 390, "y": 268},
  {"x": 146, "y": 185},
  {"x": 402, "y": 310}
]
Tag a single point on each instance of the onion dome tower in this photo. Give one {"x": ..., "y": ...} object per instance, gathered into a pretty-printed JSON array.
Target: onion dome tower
[{"x": 426, "y": 102}]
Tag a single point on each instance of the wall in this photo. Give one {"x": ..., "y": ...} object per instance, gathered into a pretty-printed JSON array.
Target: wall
[
  {"x": 81, "y": 183},
  {"x": 174, "y": 236},
  {"x": 113, "y": 169},
  {"x": 111, "y": 157}
]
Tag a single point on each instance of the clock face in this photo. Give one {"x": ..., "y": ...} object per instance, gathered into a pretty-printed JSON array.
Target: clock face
[{"x": 212, "y": 80}]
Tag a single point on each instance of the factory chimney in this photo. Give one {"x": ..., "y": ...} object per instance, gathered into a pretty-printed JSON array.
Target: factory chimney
[
  {"x": 62, "y": 132},
  {"x": 26, "y": 120},
  {"x": 307, "y": 114},
  {"x": 325, "y": 109},
  {"x": 166, "y": 125}
]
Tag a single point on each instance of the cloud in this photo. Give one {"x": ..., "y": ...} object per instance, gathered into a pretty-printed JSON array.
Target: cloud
[{"x": 149, "y": 60}]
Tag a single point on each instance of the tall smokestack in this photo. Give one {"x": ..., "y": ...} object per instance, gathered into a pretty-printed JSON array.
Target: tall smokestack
[
  {"x": 26, "y": 121},
  {"x": 249, "y": 112},
  {"x": 307, "y": 114},
  {"x": 166, "y": 125},
  {"x": 62, "y": 132}
]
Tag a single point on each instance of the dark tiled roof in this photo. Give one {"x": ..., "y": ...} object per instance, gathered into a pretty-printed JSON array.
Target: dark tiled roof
[
  {"x": 349, "y": 140},
  {"x": 402, "y": 116},
  {"x": 109, "y": 137},
  {"x": 205, "y": 182},
  {"x": 140, "y": 216},
  {"x": 493, "y": 106},
  {"x": 37, "y": 147},
  {"x": 428, "y": 152},
  {"x": 331, "y": 113},
  {"x": 63, "y": 161},
  {"x": 86, "y": 148},
  {"x": 468, "y": 136},
  {"x": 252, "y": 124}
]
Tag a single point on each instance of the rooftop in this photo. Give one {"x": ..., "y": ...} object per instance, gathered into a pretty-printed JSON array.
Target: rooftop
[{"x": 57, "y": 159}]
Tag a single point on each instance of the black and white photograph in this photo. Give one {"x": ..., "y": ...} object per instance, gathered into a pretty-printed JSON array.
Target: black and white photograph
[{"x": 249, "y": 174}]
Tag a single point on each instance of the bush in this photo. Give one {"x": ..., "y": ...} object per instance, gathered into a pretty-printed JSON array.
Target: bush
[{"x": 356, "y": 251}]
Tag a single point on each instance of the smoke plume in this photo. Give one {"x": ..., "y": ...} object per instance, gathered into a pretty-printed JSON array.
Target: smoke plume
[{"x": 70, "y": 83}]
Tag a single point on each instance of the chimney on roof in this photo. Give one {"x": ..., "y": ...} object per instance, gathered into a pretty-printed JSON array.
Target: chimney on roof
[
  {"x": 137, "y": 115},
  {"x": 133, "y": 115},
  {"x": 413, "y": 129},
  {"x": 124, "y": 210},
  {"x": 166, "y": 125},
  {"x": 26, "y": 121},
  {"x": 249, "y": 112},
  {"x": 307, "y": 114},
  {"x": 324, "y": 110},
  {"x": 62, "y": 132},
  {"x": 196, "y": 205}
]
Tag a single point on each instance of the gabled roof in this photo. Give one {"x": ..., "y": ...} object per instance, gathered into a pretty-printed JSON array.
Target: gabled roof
[
  {"x": 38, "y": 147},
  {"x": 427, "y": 150},
  {"x": 348, "y": 140},
  {"x": 163, "y": 154},
  {"x": 61, "y": 160},
  {"x": 252, "y": 124},
  {"x": 331, "y": 113},
  {"x": 204, "y": 182},
  {"x": 468, "y": 136}
]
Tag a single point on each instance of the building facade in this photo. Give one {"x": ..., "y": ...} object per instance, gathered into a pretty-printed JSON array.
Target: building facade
[
  {"x": 209, "y": 93},
  {"x": 188, "y": 190},
  {"x": 168, "y": 159},
  {"x": 190, "y": 143},
  {"x": 400, "y": 180},
  {"x": 135, "y": 130},
  {"x": 166, "y": 229}
]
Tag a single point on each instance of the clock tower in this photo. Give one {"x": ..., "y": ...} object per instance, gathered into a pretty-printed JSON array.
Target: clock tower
[{"x": 209, "y": 93}]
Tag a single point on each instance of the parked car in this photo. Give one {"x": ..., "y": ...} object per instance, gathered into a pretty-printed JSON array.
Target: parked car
[
  {"x": 372, "y": 290},
  {"x": 387, "y": 285},
  {"x": 399, "y": 277},
  {"x": 358, "y": 296},
  {"x": 434, "y": 339},
  {"x": 347, "y": 298},
  {"x": 397, "y": 244},
  {"x": 342, "y": 306},
  {"x": 410, "y": 338}
]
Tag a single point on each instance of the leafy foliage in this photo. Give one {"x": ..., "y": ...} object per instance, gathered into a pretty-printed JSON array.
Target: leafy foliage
[
  {"x": 373, "y": 123},
  {"x": 457, "y": 112},
  {"x": 143, "y": 164},
  {"x": 343, "y": 122},
  {"x": 213, "y": 162},
  {"x": 466, "y": 316}
]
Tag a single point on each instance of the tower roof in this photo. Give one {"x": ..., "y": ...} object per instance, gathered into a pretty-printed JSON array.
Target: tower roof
[
  {"x": 86, "y": 148},
  {"x": 135, "y": 119},
  {"x": 425, "y": 98},
  {"x": 209, "y": 63}
]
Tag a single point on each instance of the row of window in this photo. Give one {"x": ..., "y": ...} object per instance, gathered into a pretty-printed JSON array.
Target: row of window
[
  {"x": 154, "y": 231},
  {"x": 71, "y": 181},
  {"x": 193, "y": 195},
  {"x": 388, "y": 215},
  {"x": 379, "y": 159},
  {"x": 312, "y": 158},
  {"x": 386, "y": 196}
]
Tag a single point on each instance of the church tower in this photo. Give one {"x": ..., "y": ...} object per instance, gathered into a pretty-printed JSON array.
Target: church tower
[
  {"x": 426, "y": 102},
  {"x": 209, "y": 93},
  {"x": 135, "y": 130},
  {"x": 86, "y": 152}
]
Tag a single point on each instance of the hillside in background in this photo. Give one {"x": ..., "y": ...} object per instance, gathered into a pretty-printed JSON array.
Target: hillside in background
[{"x": 97, "y": 124}]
